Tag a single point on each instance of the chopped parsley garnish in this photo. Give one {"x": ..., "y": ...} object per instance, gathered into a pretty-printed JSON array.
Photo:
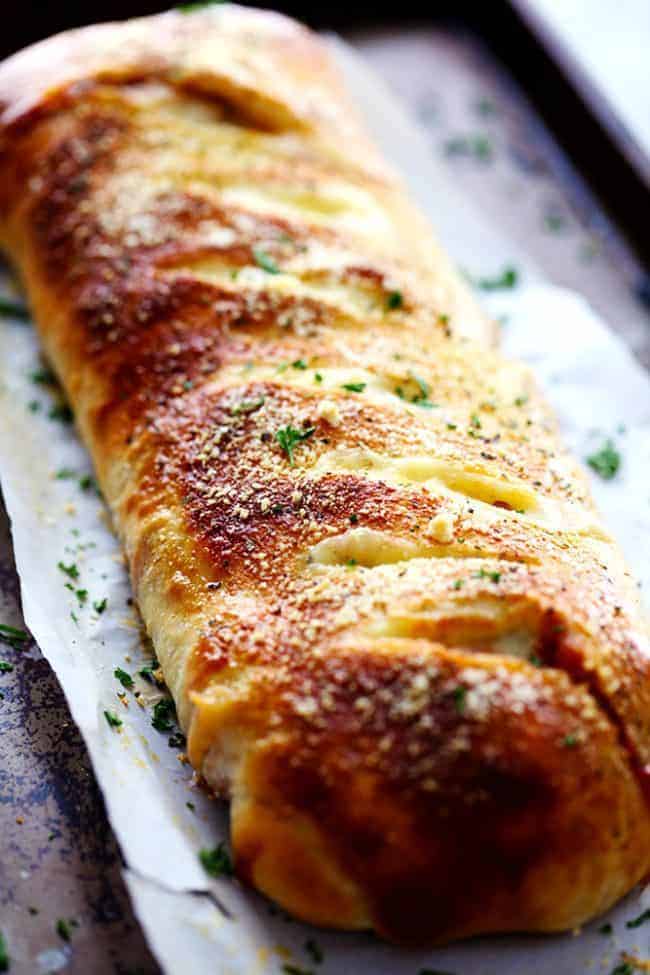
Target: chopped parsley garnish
[
  {"x": 570, "y": 741},
  {"x": 623, "y": 969},
  {"x": 354, "y": 387},
  {"x": 433, "y": 971},
  {"x": 507, "y": 279},
  {"x": 64, "y": 474},
  {"x": 478, "y": 146},
  {"x": 13, "y": 637},
  {"x": 112, "y": 719},
  {"x": 354, "y": 519},
  {"x": 606, "y": 461},
  {"x": 81, "y": 594},
  {"x": 148, "y": 671},
  {"x": 4, "y": 954},
  {"x": 248, "y": 406},
  {"x": 190, "y": 806},
  {"x": 61, "y": 412},
  {"x": 458, "y": 584},
  {"x": 605, "y": 929},
  {"x": 100, "y": 605},
  {"x": 125, "y": 679},
  {"x": 475, "y": 421},
  {"x": 318, "y": 377},
  {"x": 5, "y": 668},
  {"x": 289, "y": 436},
  {"x": 314, "y": 951},
  {"x": 299, "y": 364},
  {"x": 164, "y": 715},
  {"x": 70, "y": 570},
  {"x": 87, "y": 481},
  {"x": 43, "y": 377},
  {"x": 34, "y": 406},
  {"x": 459, "y": 695},
  {"x": 421, "y": 398},
  {"x": 64, "y": 928},
  {"x": 394, "y": 300},
  {"x": 265, "y": 261},
  {"x": 295, "y": 970},
  {"x": 217, "y": 861},
  {"x": 638, "y": 921},
  {"x": 485, "y": 106},
  {"x": 188, "y": 8},
  {"x": 554, "y": 222},
  {"x": 14, "y": 309},
  {"x": 177, "y": 740},
  {"x": 423, "y": 387},
  {"x": 485, "y": 574},
  {"x": 521, "y": 400}
]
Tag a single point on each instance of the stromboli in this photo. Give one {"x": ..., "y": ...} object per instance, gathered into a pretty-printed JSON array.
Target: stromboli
[{"x": 397, "y": 637}]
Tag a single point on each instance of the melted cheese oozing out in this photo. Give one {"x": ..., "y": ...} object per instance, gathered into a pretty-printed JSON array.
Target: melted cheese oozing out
[
  {"x": 349, "y": 207},
  {"x": 441, "y": 476},
  {"x": 319, "y": 279},
  {"x": 367, "y": 547},
  {"x": 445, "y": 477}
]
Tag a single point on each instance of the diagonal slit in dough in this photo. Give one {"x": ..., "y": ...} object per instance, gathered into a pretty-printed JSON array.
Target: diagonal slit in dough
[
  {"x": 370, "y": 548},
  {"x": 444, "y": 475}
]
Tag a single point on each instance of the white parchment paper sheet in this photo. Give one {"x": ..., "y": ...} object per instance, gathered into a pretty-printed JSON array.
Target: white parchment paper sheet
[{"x": 201, "y": 926}]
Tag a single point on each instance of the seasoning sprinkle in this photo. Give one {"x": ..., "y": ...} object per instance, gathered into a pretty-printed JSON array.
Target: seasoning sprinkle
[
  {"x": 42, "y": 377},
  {"x": 265, "y": 261},
  {"x": 638, "y": 921},
  {"x": 13, "y": 309},
  {"x": 459, "y": 695},
  {"x": 125, "y": 679},
  {"x": 188, "y": 8},
  {"x": 64, "y": 928},
  {"x": 315, "y": 951},
  {"x": 248, "y": 406},
  {"x": 148, "y": 671},
  {"x": 61, "y": 412},
  {"x": 289, "y": 436},
  {"x": 507, "y": 279},
  {"x": 70, "y": 570},
  {"x": 216, "y": 862},
  {"x": 606, "y": 461},
  {"x": 13, "y": 637},
  {"x": 164, "y": 713}
]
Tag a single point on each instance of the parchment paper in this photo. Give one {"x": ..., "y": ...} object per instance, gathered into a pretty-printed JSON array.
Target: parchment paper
[{"x": 195, "y": 924}]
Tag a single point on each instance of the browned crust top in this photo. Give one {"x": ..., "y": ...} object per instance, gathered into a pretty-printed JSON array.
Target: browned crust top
[{"x": 392, "y": 560}]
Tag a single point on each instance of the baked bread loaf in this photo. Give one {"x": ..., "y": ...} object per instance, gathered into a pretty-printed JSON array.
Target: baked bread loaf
[{"x": 397, "y": 637}]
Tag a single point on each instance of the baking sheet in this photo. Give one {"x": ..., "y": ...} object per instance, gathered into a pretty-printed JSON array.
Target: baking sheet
[{"x": 193, "y": 923}]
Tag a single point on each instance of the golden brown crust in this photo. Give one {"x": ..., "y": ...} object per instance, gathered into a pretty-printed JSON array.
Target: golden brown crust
[{"x": 397, "y": 636}]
